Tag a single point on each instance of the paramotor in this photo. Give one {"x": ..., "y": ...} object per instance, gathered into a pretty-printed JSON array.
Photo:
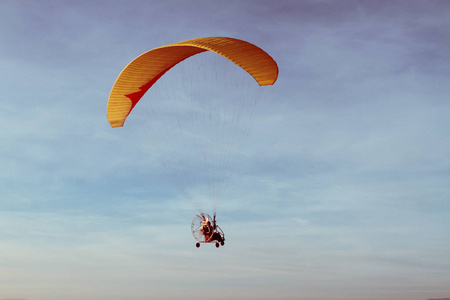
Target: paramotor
[{"x": 201, "y": 97}]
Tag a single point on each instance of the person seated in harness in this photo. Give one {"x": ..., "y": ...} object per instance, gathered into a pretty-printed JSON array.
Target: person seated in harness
[
  {"x": 207, "y": 229},
  {"x": 217, "y": 237},
  {"x": 216, "y": 234}
]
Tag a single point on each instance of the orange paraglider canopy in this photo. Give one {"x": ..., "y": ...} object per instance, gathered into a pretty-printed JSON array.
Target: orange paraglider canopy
[{"x": 135, "y": 80}]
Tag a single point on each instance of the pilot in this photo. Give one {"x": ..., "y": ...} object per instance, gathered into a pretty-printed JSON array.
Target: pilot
[{"x": 206, "y": 229}]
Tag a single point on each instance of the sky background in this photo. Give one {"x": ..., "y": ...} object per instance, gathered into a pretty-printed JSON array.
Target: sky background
[{"x": 343, "y": 192}]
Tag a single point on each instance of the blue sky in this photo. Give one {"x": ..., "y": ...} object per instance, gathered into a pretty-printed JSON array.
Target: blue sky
[{"x": 342, "y": 191}]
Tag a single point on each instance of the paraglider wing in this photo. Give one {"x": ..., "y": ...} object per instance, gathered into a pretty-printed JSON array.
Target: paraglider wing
[{"x": 139, "y": 76}]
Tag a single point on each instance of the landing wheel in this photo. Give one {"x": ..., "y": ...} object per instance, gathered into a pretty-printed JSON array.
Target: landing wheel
[
  {"x": 197, "y": 245},
  {"x": 217, "y": 245},
  {"x": 222, "y": 243}
]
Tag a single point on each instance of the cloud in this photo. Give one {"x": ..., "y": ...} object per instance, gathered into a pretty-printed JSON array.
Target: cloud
[{"x": 345, "y": 166}]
